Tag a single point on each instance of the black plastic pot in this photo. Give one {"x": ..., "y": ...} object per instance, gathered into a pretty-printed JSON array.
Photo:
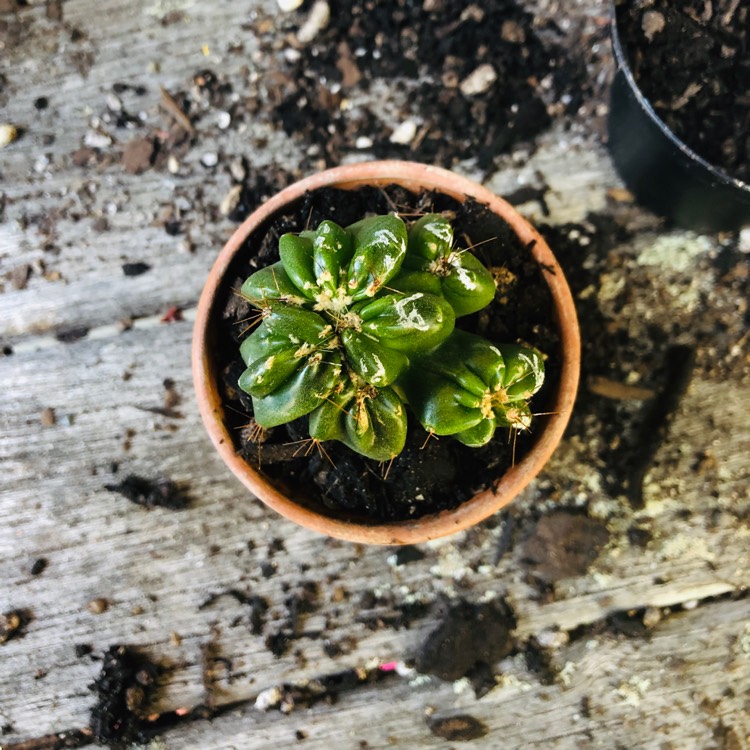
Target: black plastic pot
[{"x": 659, "y": 169}]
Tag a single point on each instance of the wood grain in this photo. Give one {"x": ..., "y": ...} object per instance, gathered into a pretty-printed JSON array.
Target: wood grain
[{"x": 167, "y": 577}]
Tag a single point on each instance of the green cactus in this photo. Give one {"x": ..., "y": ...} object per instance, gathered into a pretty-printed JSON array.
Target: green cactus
[
  {"x": 432, "y": 265},
  {"x": 357, "y": 321},
  {"x": 468, "y": 387}
]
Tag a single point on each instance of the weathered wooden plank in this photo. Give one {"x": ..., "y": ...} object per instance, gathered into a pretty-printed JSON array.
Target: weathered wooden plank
[
  {"x": 157, "y": 567},
  {"x": 681, "y": 687},
  {"x": 165, "y": 574},
  {"x": 58, "y": 204}
]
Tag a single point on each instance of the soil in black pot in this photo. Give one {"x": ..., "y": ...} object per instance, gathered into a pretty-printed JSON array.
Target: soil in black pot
[
  {"x": 691, "y": 60},
  {"x": 431, "y": 474}
]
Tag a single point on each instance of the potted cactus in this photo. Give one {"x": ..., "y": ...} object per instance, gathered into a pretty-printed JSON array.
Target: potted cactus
[{"x": 364, "y": 333}]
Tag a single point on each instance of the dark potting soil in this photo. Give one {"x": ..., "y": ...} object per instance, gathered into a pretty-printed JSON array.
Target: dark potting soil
[
  {"x": 431, "y": 474},
  {"x": 691, "y": 59},
  {"x": 471, "y": 77}
]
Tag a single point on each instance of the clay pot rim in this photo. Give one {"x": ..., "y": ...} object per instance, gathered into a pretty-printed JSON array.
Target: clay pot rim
[
  {"x": 415, "y": 177},
  {"x": 623, "y": 64}
]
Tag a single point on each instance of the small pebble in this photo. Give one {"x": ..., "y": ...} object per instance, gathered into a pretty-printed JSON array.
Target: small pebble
[
  {"x": 96, "y": 139},
  {"x": 41, "y": 163},
  {"x": 210, "y": 159},
  {"x": 651, "y": 617},
  {"x": 553, "y": 639},
  {"x": 289, "y": 5},
  {"x": 652, "y": 23},
  {"x": 8, "y": 134},
  {"x": 223, "y": 120},
  {"x": 41, "y": 103},
  {"x": 363, "y": 142},
  {"x": 114, "y": 103},
  {"x": 472, "y": 13},
  {"x": 513, "y": 32},
  {"x": 317, "y": 20},
  {"x": 405, "y": 133},
  {"x": 173, "y": 165},
  {"x": 47, "y": 417},
  {"x": 230, "y": 201},
  {"x": 175, "y": 638},
  {"x": 237, "y": 170},
  {"x": 97, "y": 606},
  {"x": 479, "y": 80},
  {"x": 269, "y": 698}
]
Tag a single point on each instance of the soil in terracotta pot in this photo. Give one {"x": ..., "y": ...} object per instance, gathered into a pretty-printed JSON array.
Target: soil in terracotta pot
[
  {"x": 690, "y": 59},
  {"x": 431, "y": 474}
]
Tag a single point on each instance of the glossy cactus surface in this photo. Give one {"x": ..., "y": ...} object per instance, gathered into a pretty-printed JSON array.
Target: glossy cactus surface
[{"x": 357, "y": 322}]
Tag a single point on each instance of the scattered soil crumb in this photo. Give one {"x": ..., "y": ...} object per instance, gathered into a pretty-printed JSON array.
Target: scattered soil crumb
[
  {"x": 123, "y": 690},
  {"x": 135, "y": 269},
  {"x": 563, "y": 545},
  {"x": 13, "y": 624},
  {"x": 72, "y": 334},
  {"x": 138, "y": 155},
  {"x": 408, "y": 554},
  {"x": 98, "y": 606},
  {"x": 162, "y": 493},
  {"x": 457, "y": 728},
  {"x": 467, "y": 634}
]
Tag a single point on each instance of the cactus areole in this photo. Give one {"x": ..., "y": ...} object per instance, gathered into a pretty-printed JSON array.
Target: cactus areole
[{"x": 357, "y": 330}]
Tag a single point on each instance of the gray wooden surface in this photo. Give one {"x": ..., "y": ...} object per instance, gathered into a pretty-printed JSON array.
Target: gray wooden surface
[{"x": 681, "y": 681}]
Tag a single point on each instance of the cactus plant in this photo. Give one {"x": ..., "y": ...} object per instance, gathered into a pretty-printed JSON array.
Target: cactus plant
[{"x": 358, "y": 322}]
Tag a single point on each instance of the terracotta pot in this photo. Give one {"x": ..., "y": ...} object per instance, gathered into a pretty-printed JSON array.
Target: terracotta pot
[{"x": 414, "y": 177}]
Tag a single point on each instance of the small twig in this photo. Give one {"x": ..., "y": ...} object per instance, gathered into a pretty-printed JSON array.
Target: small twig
[
  {"x": 726, "y": 19},
  {"x": 602, "y": 386},
  {"x": 173, "y": 108}
]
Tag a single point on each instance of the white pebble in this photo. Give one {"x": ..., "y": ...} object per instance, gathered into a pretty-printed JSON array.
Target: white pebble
[
  {"x": 745, "y": 240},
  {"x": 211, "y": 159},
  {"x": 41, "y": 163},
  {"x": 287, "y": 6},
  {"x": 223, "y": 120},
  {"x": 317, "y": 20},
  {"x": 97, "y": 139},
  {"x": 553, "y": 638},
  {"x": 269, "y": 698},
  {"x": 173, "y": 165},
  {"x": 405, "y": 133},
  {"x": 363, "y": 142},
  {"x": 114, "y": 103},
  {"x": 478, "y": 81}
]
